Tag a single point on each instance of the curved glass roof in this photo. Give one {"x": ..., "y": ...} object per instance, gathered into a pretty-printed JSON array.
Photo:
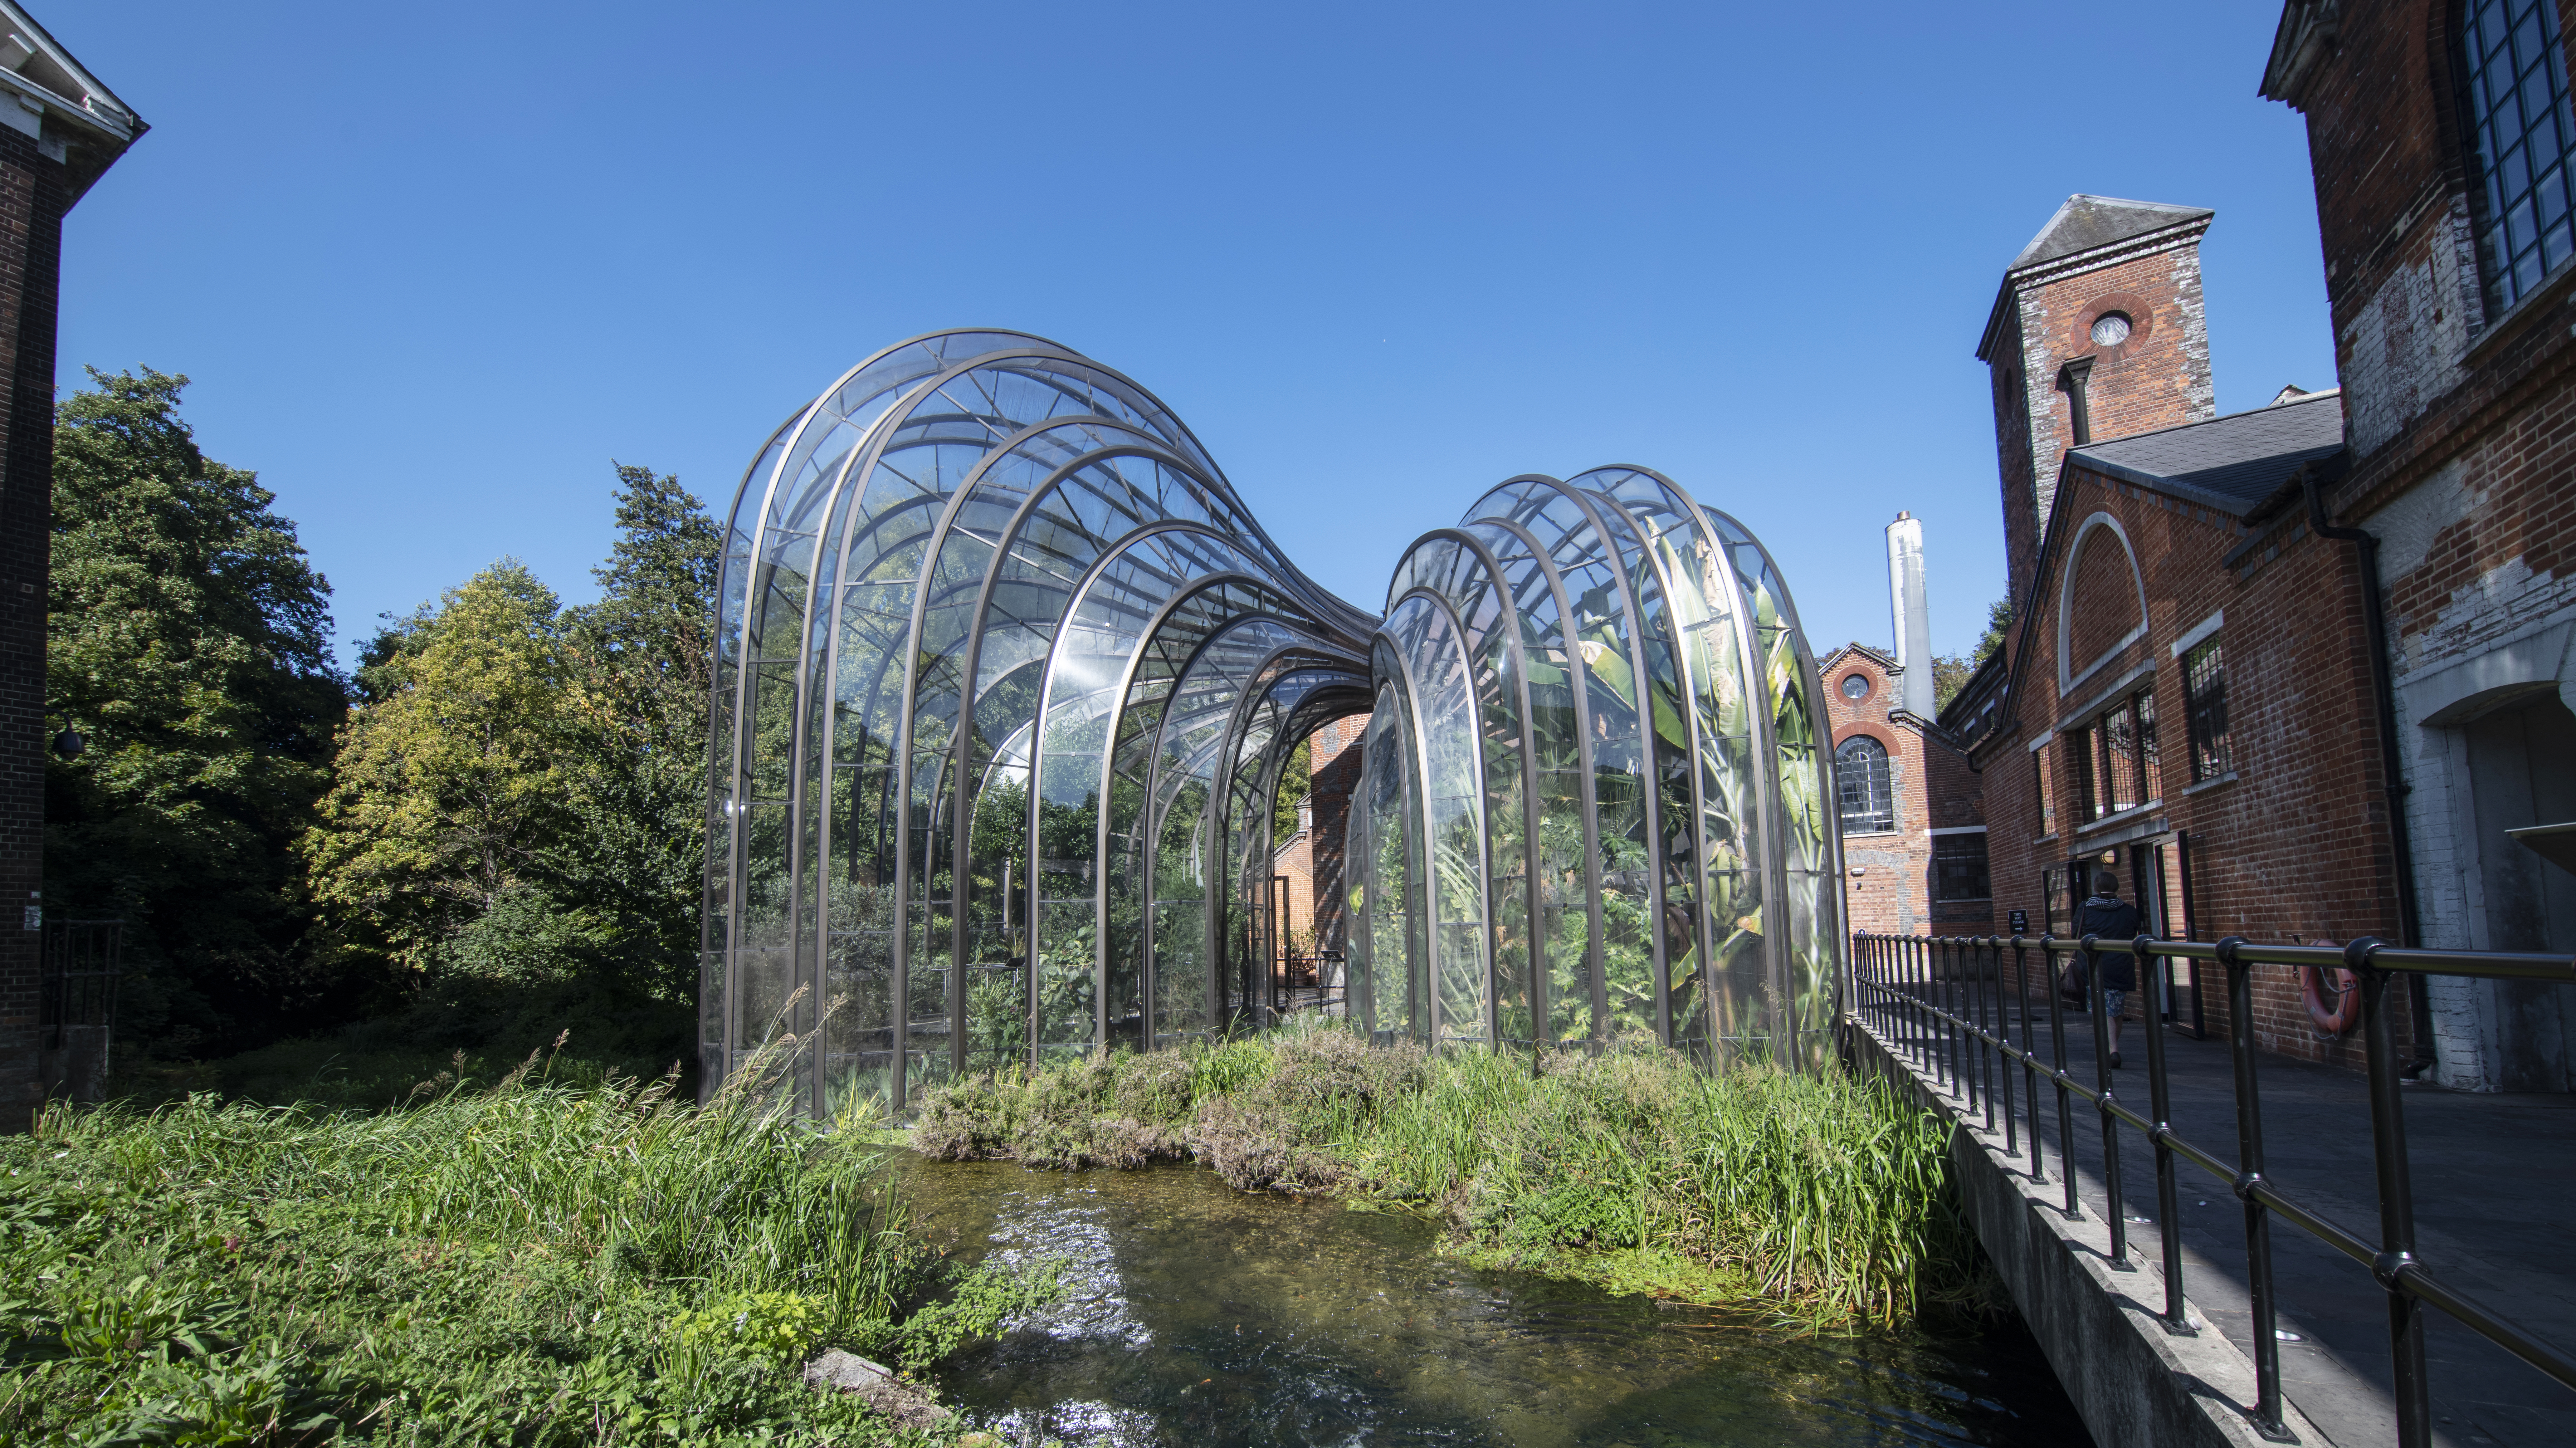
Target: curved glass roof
[{"x": 1007, "y": 676}]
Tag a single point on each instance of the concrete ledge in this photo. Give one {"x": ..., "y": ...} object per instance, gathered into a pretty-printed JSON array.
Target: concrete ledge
[{"x": 2135, "y": 1384}]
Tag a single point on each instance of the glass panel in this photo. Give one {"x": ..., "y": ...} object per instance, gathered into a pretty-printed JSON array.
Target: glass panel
[{"x": 2513, "y": 93}]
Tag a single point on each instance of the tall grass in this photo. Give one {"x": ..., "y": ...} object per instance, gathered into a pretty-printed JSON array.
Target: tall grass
[
  {"x": 1825, "y": 1196},
  {"x": 536, "y": 1263}
]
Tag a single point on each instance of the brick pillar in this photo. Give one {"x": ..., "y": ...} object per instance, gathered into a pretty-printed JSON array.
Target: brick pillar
[{"x": 33, "y": 198}]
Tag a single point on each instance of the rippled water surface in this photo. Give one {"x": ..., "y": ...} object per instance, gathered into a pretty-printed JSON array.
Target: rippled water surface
[{"x": 1199, "y": 1316}]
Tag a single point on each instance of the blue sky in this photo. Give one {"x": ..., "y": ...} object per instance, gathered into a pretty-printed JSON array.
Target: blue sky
[{"x": 432, "y": 268}]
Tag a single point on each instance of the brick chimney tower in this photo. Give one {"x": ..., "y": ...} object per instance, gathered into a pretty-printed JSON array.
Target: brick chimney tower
[
  {"x": 2098, "y": 331},
  {"x": 59, "y": 131}
]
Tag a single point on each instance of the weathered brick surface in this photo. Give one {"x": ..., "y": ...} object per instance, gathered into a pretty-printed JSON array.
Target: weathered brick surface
[
  {"x": 32, "y": 202},
  {"x": 2462, "y": 430},
  {"x": 2158, "y": 378}
]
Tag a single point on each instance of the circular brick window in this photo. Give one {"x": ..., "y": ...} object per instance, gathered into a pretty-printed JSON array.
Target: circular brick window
[
  {"x": 1855, "y": 687},
  {"x": 2110, "y": 329}
]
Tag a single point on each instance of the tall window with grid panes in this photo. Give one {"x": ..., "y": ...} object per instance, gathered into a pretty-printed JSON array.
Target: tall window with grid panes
[{"x": 2513, "y": 96}]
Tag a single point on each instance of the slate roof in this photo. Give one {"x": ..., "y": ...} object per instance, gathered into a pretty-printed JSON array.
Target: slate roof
[
  {"x": 2229, "y": 463},
  {"x": 2086, "y": 222}
]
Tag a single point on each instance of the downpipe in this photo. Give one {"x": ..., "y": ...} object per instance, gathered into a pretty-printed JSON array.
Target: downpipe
[{"x": 2384, "y": 696}]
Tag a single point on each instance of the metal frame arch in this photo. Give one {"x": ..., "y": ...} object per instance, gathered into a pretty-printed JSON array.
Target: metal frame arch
[
  {"x": 1762, "y": 722},
  {"x": 1669, "y": 631},
  {"x": 1595, "y": 937},
  {"x": 1127, "y": 603},
  {"x": 1811, "y": 683},
  {"x": 1477, "y": 793},
  {"x": 1660, "y": 965},
  {"x": 1508, "y": 621},
  {"x": 1229, "y": 756},
  {"x": 970, "y": 690}
]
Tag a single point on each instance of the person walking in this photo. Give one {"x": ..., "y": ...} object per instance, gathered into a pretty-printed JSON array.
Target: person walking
[{"x": 2115, "y": 974}]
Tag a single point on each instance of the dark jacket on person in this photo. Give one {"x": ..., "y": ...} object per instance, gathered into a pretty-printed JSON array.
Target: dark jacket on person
[{"x": 2116, "y": 921}]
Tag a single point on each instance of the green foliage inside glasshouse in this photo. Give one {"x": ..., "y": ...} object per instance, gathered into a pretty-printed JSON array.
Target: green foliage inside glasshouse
[
  {"x": 1822, "y": 1195},
  {"x": 529, "y": 1263}
]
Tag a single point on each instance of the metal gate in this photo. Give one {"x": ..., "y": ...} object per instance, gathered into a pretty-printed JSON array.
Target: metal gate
[{"x": 76, "y": 1009}]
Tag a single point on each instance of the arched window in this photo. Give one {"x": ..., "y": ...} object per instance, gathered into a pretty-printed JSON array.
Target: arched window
[
  {"x": 2513, "y": 82},
  {"x": 1860, "y": 775}
]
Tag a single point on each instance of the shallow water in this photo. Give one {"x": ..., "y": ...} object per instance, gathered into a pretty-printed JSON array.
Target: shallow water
[{"x": 1202, "y": 1317}]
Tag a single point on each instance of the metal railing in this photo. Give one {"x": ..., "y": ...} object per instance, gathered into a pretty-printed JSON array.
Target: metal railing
[{"x": 1943, "y": 1001}]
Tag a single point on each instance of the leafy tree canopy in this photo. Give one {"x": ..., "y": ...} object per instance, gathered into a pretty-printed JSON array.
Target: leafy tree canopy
[
  {"x": 187, "y": 640},
  {"x": 521, "y": 791}
]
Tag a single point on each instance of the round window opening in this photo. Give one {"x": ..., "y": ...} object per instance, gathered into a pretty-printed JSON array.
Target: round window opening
[
  {"x": 2110, "y": 329},
  {"x": 1855, "y": 686}
]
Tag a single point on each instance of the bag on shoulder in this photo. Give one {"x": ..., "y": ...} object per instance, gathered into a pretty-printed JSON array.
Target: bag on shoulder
[{"x": 2071, "y": 985}]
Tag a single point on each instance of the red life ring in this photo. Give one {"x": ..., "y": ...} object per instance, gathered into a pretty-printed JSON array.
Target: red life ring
[{"x": 2347, "y": 1008}]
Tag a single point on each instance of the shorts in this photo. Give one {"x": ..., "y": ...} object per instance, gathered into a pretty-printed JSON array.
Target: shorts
[{"x": 2113, "y": 1003}]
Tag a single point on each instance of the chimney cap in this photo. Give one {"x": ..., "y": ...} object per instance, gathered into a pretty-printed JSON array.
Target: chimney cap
[{"x": 1902, "y": 515}]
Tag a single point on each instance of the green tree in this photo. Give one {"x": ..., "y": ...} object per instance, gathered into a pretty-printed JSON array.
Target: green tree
[
  {"x": 187, "y": 641},
  {"x": 1999, "y": 617},
  {"x": 453, "y": 781},
  {"x": 643, "y": 661},
  {"x": 522, "y": 788},
  {"x": 1950, "y": 672},
  {"x": 1296, "y": 782}
]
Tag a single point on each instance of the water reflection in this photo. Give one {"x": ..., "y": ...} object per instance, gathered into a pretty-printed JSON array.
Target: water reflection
[{"x": 1198, "y": 1315}]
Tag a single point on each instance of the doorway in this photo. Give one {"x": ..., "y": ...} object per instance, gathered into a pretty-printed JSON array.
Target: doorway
[{"x": 2522, "y": 772}]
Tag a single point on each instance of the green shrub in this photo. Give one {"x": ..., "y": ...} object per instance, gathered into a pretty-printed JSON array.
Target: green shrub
[
  {"x": 534, "y": 1264},
  {"x": 1822, "y": 1194}
]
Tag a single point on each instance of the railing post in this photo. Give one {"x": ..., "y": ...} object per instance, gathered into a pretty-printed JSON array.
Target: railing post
[
  {"x": 2249, "y": 1180},
  {"x": 1993, "y": 946},
  {"x": 1946, "y": 978},
  {"x": 2057, "y": 1052},
  {"x": 1972, "y": 950},
  {"x": 2102, "y": 1104},
  {"x": 2160, "y": 1105},
  {"x": 2396, "y": 1198},
  {"x": 2030, "y": 1051}
]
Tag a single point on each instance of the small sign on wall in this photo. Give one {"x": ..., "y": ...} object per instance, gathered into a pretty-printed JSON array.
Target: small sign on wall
[{"x": 2020, "y": 922}]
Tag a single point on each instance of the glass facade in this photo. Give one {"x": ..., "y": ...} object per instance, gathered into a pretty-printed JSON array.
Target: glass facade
[
  {"x": 1007, "y": 677},
  {"x": 2513, "y": 83}
]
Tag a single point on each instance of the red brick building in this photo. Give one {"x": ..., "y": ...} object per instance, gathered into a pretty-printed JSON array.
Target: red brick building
[
  {"x": 1913, "y": 821},
  {"x": 59, "y": 131},
  {"x": 1315, "y": 910},
  {"x": 1911, "y": 813},
  {"x": 2438, "y": 137},
  {"x": 2186, "y": 695}
]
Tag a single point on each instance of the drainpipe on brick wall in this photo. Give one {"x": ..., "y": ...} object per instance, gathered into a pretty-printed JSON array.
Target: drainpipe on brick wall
[{"x": 2384, "y": 695}]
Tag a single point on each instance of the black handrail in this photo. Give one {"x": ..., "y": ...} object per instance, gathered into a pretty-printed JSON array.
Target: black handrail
[{"x": 1953, "y": 1037}]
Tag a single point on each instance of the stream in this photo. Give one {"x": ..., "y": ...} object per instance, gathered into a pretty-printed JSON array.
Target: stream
[{"x": 1197, "y": 1316}]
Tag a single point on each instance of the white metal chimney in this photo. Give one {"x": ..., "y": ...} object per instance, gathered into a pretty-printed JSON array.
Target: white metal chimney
[{"x": 1913, "y": 619}]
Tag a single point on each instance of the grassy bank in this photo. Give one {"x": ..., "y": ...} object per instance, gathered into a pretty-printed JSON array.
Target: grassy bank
[
  {"x": 1824, "y": 1196},
  {"x": 536, "y": 1263}
]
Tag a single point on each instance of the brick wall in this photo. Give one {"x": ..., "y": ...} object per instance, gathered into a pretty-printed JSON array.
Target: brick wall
[
  {"x": 1334, "y": 765},
  {"x": 32, "y": 203},
  {"x": 2295, "y": 844},
  {"x": 2158, "y": 378},
  {"x": 2462, "y": 425},
  {"x": 1888, "y": 879}
]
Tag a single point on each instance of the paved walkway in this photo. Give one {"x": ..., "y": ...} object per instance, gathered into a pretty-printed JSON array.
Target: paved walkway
[{"x": 2495, "y": 1207}]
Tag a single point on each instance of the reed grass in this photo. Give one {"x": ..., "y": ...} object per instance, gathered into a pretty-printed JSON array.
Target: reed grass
[
  {"x": 533, "y": 1263},
  {"x": 1825, "y": 1197}
]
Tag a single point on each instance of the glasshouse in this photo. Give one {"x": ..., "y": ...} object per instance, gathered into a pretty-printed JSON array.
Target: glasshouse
[{"x": 1008, "y": 678}]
